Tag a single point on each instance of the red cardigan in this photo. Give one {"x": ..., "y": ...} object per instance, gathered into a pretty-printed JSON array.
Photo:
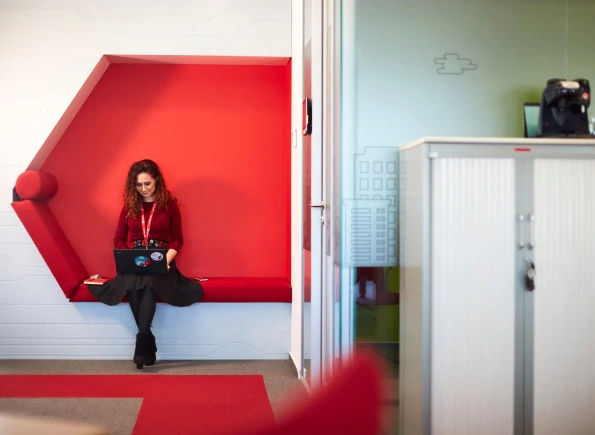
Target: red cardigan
[{"x": 166, "y": 225}]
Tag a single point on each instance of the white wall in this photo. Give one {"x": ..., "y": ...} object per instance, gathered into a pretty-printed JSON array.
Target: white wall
[{"x": 48, "y": 48}]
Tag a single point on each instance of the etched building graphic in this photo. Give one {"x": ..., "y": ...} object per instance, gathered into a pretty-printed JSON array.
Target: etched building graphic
[{"x": 370, "y": 218}]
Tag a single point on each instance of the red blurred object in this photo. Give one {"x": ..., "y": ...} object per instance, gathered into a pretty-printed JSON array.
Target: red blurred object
[{"x": 351, "y": 404}]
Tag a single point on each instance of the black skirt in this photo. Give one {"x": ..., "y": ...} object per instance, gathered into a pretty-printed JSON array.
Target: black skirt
[{"x": 172, "y": 288}]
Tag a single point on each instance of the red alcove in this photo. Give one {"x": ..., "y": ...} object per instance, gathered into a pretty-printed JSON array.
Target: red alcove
[{"x": 221, "y": 134}]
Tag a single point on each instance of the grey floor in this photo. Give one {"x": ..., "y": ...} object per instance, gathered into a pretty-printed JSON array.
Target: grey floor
[{"x": 119, "y": 415}]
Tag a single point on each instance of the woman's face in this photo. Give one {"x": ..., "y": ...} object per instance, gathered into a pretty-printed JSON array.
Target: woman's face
[{"x": 145, "y": 185}]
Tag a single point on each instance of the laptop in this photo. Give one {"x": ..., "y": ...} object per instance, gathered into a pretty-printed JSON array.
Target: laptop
[{"x": 150, "y": 261}]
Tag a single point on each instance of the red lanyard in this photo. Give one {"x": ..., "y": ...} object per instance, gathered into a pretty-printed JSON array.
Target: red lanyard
[{"x": 147, "y": 228}]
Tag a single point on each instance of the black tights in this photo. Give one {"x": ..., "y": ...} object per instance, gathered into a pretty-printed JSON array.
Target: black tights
[{"x": 143, "y": 305}]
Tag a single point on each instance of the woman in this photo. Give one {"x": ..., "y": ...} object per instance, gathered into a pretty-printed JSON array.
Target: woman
[{"x": 150, "y": 218}]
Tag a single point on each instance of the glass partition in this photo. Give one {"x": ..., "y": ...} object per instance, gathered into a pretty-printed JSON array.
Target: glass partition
[{"x": 416, "y": 69}]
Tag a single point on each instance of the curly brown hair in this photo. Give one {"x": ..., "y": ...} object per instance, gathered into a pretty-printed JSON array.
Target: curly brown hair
[{"x": 132, "y": 199}]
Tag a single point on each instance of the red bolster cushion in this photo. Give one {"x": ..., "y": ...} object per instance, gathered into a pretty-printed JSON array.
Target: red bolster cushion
[
  {"x": 36, "y": 185},
  {"x": 225, "y": 290}
]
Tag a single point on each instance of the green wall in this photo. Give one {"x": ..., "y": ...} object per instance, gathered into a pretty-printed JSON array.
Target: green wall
[{"x": 515, "y": 46}]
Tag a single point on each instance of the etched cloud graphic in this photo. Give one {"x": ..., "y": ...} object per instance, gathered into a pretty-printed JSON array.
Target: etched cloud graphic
[{"x": 452, "y": 63}]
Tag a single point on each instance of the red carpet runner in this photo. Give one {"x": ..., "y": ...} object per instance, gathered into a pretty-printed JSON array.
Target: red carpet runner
[{"x": 172, "y": 404}]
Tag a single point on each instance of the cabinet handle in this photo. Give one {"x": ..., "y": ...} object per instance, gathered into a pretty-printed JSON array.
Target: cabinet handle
[
  {"x": 531, "y": 244},
  {"x": 521, "y": 242}
]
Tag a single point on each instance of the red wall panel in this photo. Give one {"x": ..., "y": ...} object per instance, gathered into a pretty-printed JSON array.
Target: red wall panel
[{"x": 220, "y": 134}]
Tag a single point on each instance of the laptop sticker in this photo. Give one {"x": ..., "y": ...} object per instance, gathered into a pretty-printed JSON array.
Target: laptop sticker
[
  {"x": 142, "y": 261},
  {"x": 157, "y": 256}
]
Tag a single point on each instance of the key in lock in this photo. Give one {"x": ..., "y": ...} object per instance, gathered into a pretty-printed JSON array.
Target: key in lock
[{"x": 530, "y": 276}]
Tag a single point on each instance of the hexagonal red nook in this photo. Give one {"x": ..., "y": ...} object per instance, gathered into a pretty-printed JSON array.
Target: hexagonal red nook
[{"x": 219, "y": 127}]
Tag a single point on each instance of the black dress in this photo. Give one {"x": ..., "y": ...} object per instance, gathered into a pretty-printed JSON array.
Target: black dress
[
  {"x": 165, "y": 229},
  {"x": 173, "y": 288}
]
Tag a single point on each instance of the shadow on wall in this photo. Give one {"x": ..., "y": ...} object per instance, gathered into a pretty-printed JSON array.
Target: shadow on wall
[{"x": 219, "y": 133}]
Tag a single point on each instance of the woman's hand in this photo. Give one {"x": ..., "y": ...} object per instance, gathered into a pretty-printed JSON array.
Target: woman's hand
[{"x": 171, "y": 254}]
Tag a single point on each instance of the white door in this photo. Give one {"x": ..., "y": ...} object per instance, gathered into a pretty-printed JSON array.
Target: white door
[
  {"x": 564, "y": 298},
  {"x": 472, "y": 296}
]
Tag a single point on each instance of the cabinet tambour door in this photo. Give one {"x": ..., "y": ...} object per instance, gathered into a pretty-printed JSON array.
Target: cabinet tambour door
[
  {"x": 472, "y": 295},
  {"x": 564, "y": 297}
]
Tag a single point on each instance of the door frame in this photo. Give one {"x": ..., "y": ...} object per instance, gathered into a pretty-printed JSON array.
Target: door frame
[
  {"x": 316, "y": 57},
  {"x": 317, "y": 199},
  {"x": 296, "y": 344}
]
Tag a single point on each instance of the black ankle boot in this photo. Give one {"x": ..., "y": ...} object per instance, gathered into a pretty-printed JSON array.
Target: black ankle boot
[
  {"x": 153, "y": 343},
  {"x": 143, "y": 354},
  {"x": 151, "y": 358}
]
